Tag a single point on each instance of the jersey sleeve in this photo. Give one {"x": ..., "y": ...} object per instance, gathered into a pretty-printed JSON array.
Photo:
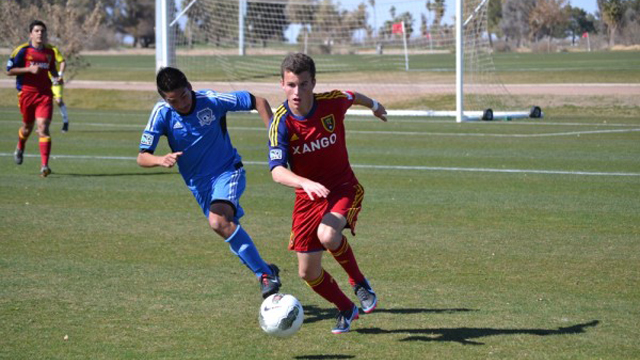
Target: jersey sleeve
[
  {"x": 16, "y": 60},
  {"x": 348, "y": 100},
  {"x": 235, "y": 101},
  {"x": 57, "y": 54},
  {"x": 53, "y": 67},
  {"x": 156, "y": 127},
  {"x": 278, "y": 142}
]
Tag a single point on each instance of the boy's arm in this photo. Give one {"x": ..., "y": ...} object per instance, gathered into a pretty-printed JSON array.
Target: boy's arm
[
  {"x": 264, "y": 110},
  {"x": 378, "y": 109},
  {"x": 33, "y": 69},
  {"x": 286, "y": 177},
  {"x": 147, "y": 159}
]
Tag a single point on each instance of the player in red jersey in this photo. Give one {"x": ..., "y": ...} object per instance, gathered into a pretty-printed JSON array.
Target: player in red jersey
[
  {"x": 31, "y": 64},
  {"x": 307, "y": 134}
]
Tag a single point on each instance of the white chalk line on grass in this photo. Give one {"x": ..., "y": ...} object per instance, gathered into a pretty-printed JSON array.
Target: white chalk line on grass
[
  {"x": 569, "y": 133},
  {"x": 392, "y": 119},
  {"x": 380, "y": 167},
  {"x": 414, "y": 133}
]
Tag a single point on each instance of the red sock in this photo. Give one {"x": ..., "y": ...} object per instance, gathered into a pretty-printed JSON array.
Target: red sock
[
  {"x": 344, "y": 255},
  {"x": 45, "y": 149},
  {"x": 22, "y": 140},
  {"x": 326, "y": 287}
]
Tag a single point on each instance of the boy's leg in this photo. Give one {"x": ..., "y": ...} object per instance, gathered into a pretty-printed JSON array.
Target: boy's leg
[
  {"x": 57, "y": 95},
  {"x": 224, "y": 215},
  {"x": 45, "y": 145},
  {"x": 311, "y": 271},
  {"x": 27, "y": 109}
]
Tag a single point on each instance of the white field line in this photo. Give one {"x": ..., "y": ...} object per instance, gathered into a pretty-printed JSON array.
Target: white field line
[
  {"x": 349, "y": 120},
  {"x": 379, "y": 167},
  {"x": 571, "y": 133},
  {"x": 404, "y": 133}
]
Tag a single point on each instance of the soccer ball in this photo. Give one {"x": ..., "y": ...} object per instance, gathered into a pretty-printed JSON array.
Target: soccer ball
[{"x": 281, "y": 315}]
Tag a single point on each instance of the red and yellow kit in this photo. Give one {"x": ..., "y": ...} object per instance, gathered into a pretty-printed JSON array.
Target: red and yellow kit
[
  {"x": 26, "y": 55},
  {"x": 315, "y": 147},
  {"x": 35, "y": 96}
]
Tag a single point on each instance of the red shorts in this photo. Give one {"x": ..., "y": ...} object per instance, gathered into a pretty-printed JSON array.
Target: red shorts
[
  {"x": 308, "y": 214},
  {"x": 35, "y": 105}
]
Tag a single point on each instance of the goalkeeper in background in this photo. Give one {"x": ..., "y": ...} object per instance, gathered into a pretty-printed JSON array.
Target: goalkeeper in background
[
  {"x": 57, "y": 87},
  {"x": 308, "y": 152},
  {"x": 195, "y": 124}
]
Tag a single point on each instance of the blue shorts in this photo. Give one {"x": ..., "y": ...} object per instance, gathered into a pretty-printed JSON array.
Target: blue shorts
[{"x": 227, "y": 187}]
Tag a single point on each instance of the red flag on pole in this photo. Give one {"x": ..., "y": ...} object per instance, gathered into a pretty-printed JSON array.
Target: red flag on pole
[
  {"x": 585, "y": 34},
  {"x": 396, "y": 28},
  {"x": 428, "y": 36}
]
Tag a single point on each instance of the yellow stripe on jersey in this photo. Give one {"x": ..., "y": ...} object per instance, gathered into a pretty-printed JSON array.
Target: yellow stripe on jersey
[
  {"x": 20, "y": 47},
  {"x": 330, "y": 95},
  {"x": 273, "y": 129}
]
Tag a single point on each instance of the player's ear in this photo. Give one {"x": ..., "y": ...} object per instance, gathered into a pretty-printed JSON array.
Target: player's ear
[
  {"x": 313, "y": 83},
  {"x": 189, "y": 86}
]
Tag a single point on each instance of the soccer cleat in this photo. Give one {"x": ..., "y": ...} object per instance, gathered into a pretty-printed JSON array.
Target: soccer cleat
[
  {"x": 366, "y": 295},
  {"x": 345, "y": 318},
  {"x": 65, "y": 127},
  {"x": 45, "y": 171},
  {"x": 270, "y": 284},
  {"x": 17, "y": 156}
]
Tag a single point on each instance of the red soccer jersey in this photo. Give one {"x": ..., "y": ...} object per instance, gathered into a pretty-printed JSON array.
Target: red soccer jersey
[
  {"x": 314, "y": 146},
  {"x": 26, "y": 55}
]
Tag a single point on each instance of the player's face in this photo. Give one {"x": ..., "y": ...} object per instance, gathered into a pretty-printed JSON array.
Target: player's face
[
  {"x": 179, "y": 99},
  {"x": 38, "y": 35},
  {"x": 299, "y": 91}
]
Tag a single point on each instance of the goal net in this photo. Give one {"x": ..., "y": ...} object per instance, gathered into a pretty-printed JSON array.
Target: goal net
[{"x": 400, "y": 52}]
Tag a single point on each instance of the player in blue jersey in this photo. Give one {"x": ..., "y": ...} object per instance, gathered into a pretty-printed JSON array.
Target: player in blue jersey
[{"x": 194, "y": 123}]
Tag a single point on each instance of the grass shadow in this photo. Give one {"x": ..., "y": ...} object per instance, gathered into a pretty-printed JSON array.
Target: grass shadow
[
  {"x": 313, "y": 313},
  {"x": 465, "y": 335},
  {"x": 114, "y": 174},
  {"x": 324, "y": 357}
]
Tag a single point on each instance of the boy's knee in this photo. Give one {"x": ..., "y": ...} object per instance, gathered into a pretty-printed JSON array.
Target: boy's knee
[{"x": 221, "y": 225}]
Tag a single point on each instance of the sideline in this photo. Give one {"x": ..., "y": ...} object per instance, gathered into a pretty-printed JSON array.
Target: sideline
[{"x": 377, "y": 167}]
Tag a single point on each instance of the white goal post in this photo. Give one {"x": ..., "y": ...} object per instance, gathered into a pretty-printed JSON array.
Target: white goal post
[{"x": 412, "y": 62}]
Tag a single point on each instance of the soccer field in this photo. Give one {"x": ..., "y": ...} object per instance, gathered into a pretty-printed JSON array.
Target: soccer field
[{"x": 483, "y": 240}]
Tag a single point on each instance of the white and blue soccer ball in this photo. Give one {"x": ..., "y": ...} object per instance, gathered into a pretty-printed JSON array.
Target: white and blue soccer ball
[{"x": 281, "y": 315}]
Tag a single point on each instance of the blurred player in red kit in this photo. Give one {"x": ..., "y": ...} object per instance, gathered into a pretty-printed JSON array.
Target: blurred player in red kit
[{"x": 31, "y": 64}]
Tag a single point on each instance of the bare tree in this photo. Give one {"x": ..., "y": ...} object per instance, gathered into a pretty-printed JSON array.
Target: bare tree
[
  {"x": 515, "y": 19},
  {"x": 548, "y": 18},
  {"x": 438, "y": 7},
  {"x": 69, "y": 27}
]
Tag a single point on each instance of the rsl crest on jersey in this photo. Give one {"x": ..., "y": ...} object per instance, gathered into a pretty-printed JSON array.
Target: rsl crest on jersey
[{"x": 329, "y": 123}]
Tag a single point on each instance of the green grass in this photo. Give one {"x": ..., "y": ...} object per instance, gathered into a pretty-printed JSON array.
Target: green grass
[
  {"x": 468, "y": 264},
  {"x": 610, "y": 67}
]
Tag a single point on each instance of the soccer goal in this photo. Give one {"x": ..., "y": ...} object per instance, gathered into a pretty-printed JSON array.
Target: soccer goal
[{"x": 414, "y": 58}]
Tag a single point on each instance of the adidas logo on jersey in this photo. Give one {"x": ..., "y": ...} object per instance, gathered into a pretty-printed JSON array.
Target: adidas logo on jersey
[{"x": 178, "y": 125}]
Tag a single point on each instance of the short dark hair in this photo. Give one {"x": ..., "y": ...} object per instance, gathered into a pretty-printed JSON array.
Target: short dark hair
[
  {"x": 170, "y": 79},
  {"x": 35, "y": 23},
  {"x": 298, "y": 63}
]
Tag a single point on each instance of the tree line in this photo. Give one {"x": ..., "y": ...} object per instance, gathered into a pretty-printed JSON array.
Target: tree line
[{"x": 106, "y": 24}]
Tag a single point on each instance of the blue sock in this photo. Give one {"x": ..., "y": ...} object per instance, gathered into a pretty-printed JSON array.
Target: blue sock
[{"x": 242, "y": 246}]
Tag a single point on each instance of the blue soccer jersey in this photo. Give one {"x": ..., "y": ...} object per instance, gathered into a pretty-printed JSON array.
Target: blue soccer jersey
[{"x": 201, "y": 135}]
